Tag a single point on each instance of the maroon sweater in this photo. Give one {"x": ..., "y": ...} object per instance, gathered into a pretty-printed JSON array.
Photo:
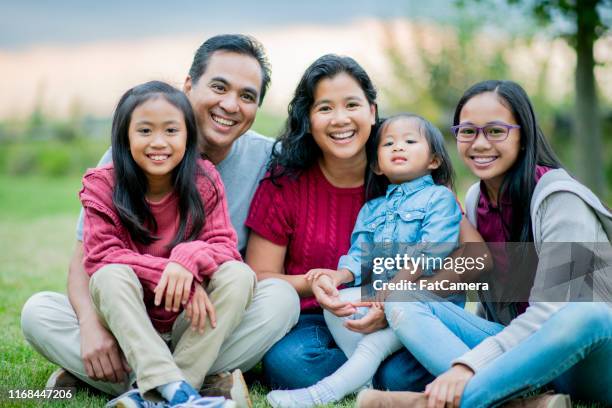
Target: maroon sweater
[
  {"x": 107, "y": 241},
  {"x": 309, "y": 216}
]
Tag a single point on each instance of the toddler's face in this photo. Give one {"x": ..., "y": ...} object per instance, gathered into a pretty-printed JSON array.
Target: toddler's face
[{"x": 403, "y": 152}]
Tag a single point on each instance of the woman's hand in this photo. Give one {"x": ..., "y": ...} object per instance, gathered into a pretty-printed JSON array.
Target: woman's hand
[
  {"x": 313, "y": 274},
  {"x": 373, "y": 321},
  {"x": 447, "y": 389},
  {"x": 324, "y": 290},
  {"x": 198, "y": 308},
  {"x": 174, "y": 285}
]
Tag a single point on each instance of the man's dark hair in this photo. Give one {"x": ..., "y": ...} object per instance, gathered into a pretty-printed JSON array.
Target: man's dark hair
[{"x": 238, "y": 43}]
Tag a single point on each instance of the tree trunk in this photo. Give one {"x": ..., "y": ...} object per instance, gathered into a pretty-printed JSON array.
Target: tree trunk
[{"x": 587, "y": 136}]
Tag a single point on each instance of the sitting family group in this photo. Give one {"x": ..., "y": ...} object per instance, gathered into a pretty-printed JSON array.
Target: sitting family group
[{"x": 204, "y": 248}]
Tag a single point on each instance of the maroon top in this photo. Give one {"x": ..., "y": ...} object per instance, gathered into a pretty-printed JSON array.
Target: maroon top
[
  {"x": 490, "y": 221},
  {"x": 107, "y": 241},
  {"x": 308, "y": 215}
]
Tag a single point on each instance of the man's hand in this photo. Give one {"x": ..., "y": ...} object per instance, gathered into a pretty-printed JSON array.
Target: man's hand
[
  {"x": 324, "y": 290},
  {"x": 447, "y": 389},
  {"x": 373, "y": 321},
  {"x": 175, "y": 286},
  {"x": 198, "y": 308},
  {"x": 102, "y": 357}
]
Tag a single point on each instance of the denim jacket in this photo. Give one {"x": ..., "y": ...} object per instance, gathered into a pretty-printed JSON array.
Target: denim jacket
[{"x": 417, "y": 211}]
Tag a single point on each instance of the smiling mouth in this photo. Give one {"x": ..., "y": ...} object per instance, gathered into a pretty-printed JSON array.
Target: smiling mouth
[
  {"x": 342, "y": 135},
  {"x": 158, "y": 157},
  {"x": 483, "y": 159},
  {"x": 222, "y": 121},
  {"x": 399, "y": 160}
]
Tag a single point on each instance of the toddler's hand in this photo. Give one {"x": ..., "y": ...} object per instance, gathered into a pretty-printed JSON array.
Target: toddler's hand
[
  {"x": 174, "y": 285},
  {"x": 373, "y": 321}
]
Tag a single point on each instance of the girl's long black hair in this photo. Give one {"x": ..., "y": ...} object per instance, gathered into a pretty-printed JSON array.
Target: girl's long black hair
[
  {"x": 444, "y": 175},
  {"x": 519, "y": 182},
  {"x": 295, "y": 150},
  {"x": 131, "y": 183}
]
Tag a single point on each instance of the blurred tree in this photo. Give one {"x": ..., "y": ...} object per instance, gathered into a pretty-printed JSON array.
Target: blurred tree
[{"x": 587, "y": 27}]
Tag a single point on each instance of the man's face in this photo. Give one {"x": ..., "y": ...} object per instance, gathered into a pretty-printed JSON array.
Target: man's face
[{"x": 225, "y": 98}]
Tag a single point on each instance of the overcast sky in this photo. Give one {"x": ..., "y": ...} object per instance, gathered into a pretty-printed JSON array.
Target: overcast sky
[{"x": 24, "y": 23}]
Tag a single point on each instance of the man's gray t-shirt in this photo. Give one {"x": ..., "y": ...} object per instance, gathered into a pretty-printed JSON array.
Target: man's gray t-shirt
[{"x": 241, "y": 171}]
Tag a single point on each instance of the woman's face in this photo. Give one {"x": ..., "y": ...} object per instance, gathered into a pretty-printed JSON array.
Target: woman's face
[
  {"x": 489, "y": 161},
  {"x": 341, "y": 118},
  {"x": 158, "y": 138}
]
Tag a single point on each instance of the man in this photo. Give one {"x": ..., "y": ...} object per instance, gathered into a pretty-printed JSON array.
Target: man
[{"x": 226, "y": 84}]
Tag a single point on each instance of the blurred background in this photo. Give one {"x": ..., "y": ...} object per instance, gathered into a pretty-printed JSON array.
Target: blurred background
[{"x": 64, "y": 64}]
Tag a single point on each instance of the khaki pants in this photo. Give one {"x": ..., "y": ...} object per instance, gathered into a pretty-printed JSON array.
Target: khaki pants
[{"x": 51, "y": 327}]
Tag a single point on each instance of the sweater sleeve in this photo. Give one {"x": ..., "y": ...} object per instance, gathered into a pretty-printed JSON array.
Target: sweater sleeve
[
  {"x": 217, "y": 241},
  {"x": 563, "y": 217},
  {"x": 105, "y": 239},
  {"x": 271, "y": 214}
]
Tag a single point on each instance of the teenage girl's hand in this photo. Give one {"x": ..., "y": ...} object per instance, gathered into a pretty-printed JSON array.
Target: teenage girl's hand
[
  {"x": 174, "y": 285},
  {"x": 324, "y": 290},
  {"x": 373, "y": 321},
  {"x": 447, "y": 389},
  {"x": 198, "y": 308}
]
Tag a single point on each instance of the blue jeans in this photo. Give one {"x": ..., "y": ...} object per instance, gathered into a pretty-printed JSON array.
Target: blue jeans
[
  {"x": 572, "y": 349},
  {"x": 308, "y": 354}
]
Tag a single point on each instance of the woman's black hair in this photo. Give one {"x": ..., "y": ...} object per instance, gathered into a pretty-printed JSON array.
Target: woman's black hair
[
  {"x": 131, "y": 183},
  {"x": 298, "y": 150},
  {"x": 444, "y": 175},
  {"x": 519, "y": 181}
]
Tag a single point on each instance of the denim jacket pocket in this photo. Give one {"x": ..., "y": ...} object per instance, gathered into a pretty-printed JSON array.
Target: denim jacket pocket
[
  {"x": 410, "y": 225},
  {"x": 374, "y": 222}
]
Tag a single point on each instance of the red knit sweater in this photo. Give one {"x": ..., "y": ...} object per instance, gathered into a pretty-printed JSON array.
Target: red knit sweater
[
  {"x": 107, "y": 241},
  {"x": 309, "y": 216}
]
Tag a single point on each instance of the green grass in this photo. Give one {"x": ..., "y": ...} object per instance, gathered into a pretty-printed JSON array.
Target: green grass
[{"x": 37, "y": 218}]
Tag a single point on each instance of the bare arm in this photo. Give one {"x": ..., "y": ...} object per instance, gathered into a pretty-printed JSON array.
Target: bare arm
[
  {"x": 102, "y": 357},
  {"x": 267, "y": 259}
]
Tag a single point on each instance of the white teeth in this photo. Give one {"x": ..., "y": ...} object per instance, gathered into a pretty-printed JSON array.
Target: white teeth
[
  {"x": 343, "y": 135},
  {"x": 159, "y": 157},
  {"x": 484, "y": 160},
  {"x": 222, "y": 121}
]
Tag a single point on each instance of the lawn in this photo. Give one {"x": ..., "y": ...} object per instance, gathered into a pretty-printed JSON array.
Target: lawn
[{"x": 37, "y": 217}]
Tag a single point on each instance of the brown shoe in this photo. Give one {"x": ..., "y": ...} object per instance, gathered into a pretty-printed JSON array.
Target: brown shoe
[
  {"x": 391, "y": 399},
  {"x": 547, "y": 400},
  {"x": 228, "y": 385},
  {"x": 61, "y": 378}
]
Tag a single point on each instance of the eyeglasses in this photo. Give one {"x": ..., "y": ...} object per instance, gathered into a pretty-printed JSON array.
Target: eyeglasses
[{"x": 493, "y": 132}]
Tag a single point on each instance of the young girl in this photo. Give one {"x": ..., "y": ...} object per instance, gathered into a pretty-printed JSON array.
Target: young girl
[
  {"x": 523, "y": 195},
  {"x": 416, "y": 206},
  {"x": 157, "y": 230}
]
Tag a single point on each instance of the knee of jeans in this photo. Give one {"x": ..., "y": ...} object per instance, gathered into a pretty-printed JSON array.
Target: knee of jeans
[
  {"x": 586, "y": 317},
  {"x": 399, "y": 313},
  {"x": 281, "y": 303},
  {"x": 33, "y": 315}
]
